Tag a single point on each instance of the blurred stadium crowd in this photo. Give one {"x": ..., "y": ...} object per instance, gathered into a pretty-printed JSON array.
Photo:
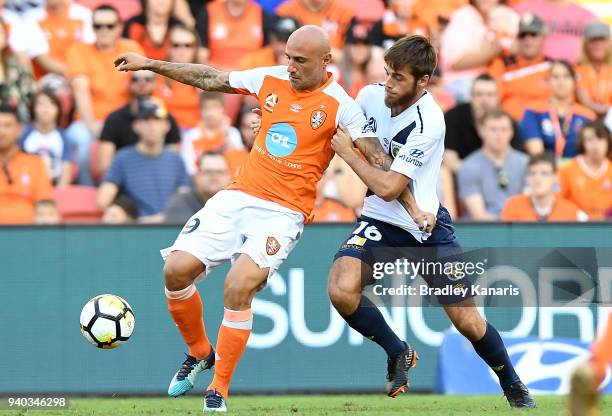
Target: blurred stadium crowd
[{"x": 526, "y": 87}]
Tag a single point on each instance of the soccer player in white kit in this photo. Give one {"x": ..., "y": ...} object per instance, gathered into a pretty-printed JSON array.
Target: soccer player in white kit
[{"x": 411, "y": 128}]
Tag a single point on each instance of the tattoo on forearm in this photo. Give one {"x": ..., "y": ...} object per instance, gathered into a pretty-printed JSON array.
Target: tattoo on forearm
[
  {"x": 374, "y": 153},
  {"x": 200, "y": 76}
]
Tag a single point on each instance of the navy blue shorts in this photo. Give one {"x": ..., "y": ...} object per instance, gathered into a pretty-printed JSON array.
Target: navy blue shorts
[{"x": 373, "y": 241}]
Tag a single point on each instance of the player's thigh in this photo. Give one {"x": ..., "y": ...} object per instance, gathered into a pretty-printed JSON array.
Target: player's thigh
[
  {"x": 348, "y": 275},
  {"x": 269, "y": 236},
  {"x": 212, "y": 235}
]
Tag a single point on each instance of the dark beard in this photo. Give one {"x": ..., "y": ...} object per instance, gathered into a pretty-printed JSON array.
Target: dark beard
[{"x": 402, "y": 100}]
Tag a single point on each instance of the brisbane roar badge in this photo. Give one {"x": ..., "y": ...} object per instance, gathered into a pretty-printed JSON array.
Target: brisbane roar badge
[
  {"x": 271, "y": 101},
  {"x": 272, "y": 246},
  {"x": 317, "y": 118}
]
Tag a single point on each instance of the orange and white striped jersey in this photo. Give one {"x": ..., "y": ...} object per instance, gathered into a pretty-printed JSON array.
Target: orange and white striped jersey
[{"x": 293, "y": 146}]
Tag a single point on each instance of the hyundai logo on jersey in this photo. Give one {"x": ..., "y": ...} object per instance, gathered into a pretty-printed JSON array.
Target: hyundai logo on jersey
[
  {"x": 416, "y": 153},
  {"x": 281, "y": 140}
]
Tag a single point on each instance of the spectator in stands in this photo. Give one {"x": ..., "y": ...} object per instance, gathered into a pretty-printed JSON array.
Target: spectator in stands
[
  {"x": 147, "y": 172},
  {"x": 436, "y": 87},
  {"x": 64, "y": 24},
  {"x": 332, "y": 15},
  {"x": 122, "y": 211},
  {"x": 211, "y": 177},
  {"x": 375, "y": 69},
  {"x": 231, "y": 29},
  {"x": 46, "y": 213},
  {"x": 587, "y": 179},
  {"x": 437, "y": 13},
  {"x": 477, "y": 33},
  {"x": 247, "y": 124},
  {"x": 16, "y": 86},
  {"x": 493, "y": 173},
  {"x": 26, "y": 43},
  {"x": 328, "y": 209},
  {"x": 118, "y": 130},
  {"x": 98, "y": 87},
  {"x": 595, "y": 69},
  {"x": 565, "y": 20},
  {"x": 214, "y": 133},
  {"x": 44, "y": 138},
  {"x": 461, "y": 134},
  {"x": 151, "y": 28},
  {"x": 542, "y": 203},
  {"x": 553, "y": 125},
  {"x": 24, "y": 179},
  {"x": 400, "y": 19},
  {"x": 357, "y": 52},
  {"x": 183, "y": 100},
  {"x": 274, "y": 53},
  {"x": 522, "y": 77}
]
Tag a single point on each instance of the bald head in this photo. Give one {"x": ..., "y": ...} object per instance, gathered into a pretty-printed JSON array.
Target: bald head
[
  {"x": 312, "y": 38},
  {"x": 308, "y": 53}
]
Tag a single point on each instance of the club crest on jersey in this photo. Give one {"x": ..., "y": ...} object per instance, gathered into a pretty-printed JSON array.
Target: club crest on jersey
[
  {"x": 272, "y": 246},
  {"x": 317, "y": 118},
  {"x": 395, "y": 148},
  {"x": 271, "y": 101}
]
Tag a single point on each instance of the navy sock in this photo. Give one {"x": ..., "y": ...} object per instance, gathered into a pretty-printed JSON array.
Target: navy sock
[
  {"x": 492, "y": 350},
  {"x": 369, "y": 322}
]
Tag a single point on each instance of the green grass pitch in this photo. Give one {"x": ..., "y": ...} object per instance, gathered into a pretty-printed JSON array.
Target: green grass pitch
[{"x": 363, "y": 404}]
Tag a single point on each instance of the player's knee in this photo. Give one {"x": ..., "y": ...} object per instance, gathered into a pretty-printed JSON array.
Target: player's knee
[
  {"x": 343, "y": 296},
  {"x": 179, "y": 273},
  {"x": 237, "y": 293},
  {"x": 469, "y": 327}
]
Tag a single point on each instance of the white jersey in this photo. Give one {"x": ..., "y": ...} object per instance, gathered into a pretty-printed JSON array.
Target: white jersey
[{"x": 415, "y": 141}]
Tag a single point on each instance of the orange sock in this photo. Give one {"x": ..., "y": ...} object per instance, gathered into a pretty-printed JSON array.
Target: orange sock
[
  {"x": 602, "y": 350},
  {"x": 186, "y": 308},
  {"x": 233, "y": 336}
]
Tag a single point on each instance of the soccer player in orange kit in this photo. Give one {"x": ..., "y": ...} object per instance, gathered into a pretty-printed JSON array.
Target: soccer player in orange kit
[{"x": 259, "y": 218}]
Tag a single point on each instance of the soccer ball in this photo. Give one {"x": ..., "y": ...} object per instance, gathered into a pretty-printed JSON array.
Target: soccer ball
[{"x": 107, "y": 321}]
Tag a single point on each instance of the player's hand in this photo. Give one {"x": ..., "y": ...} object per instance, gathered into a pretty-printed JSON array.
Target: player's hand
[
  {"x": 131, "y": 61},
  {"x": 342, "y": 143},
  {"x": 426, "y": 221},
  {"x": 256, "y": 123}
]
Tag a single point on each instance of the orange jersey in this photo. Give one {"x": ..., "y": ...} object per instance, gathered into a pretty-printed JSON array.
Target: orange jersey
[
  {"x": 520, "y": 208},
  {"x": 591, "y": 191},
  {"x": 335, "y": 18},
  {"x": 521, "y": 82},
  {"x": 230, "y": 38},
  {"x": 24, "y": 182},
  {"x": 432, "y": 11},
  {"x": 183, "y": 102},
  {"x": 597, "y": 83},
  {"x": 62, "y": 31},
  {"x": 136, "y": 29},
  {"x": 293, "y": 146},
  {"x": 235, "y": 159},
  {"x": 108, "y": 87},
  {"x": 331, "y": 210},
  {"x": 262, "y": 57}
]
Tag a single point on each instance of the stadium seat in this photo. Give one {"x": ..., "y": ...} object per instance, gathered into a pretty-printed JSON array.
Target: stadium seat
[{"x": 77, "y": 204}]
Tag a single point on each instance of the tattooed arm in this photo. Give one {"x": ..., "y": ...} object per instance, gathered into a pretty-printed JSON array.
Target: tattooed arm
[
  {"x": 200, "y": 76},
  {"x": 378, "y": 176}
]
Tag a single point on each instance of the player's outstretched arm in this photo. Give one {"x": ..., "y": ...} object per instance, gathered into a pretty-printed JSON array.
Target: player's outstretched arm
[
  {"x": 200, "y": 76},
  {"x": 378, "y": 176}
]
